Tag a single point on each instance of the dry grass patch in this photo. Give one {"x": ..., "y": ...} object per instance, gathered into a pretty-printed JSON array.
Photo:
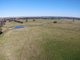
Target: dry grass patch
[{"x": 60, "y": 41}]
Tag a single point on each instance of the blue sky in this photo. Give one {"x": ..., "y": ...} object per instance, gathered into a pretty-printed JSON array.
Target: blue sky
[{"x": 13, "y": 8}]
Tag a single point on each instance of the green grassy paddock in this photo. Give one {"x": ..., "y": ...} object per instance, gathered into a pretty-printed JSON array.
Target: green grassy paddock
[{"x": 46, "y": 41}]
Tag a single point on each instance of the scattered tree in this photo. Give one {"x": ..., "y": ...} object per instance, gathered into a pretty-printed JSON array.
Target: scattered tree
[
  {"x": 34, "y": 20},
  {"x": 1, "y": 30},
  {"x": 73, "y": 20},
  {"x": 26, "y": 20},
  {"x": 54, "y": 21}
]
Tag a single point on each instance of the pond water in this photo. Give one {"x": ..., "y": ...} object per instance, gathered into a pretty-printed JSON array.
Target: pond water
[{"x": 16, "y": 27}]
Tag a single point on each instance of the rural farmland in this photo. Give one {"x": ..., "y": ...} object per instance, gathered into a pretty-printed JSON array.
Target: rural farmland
[{"x": 40, "y": 39}]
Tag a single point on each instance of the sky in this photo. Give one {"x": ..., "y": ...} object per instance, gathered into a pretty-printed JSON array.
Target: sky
[{"x": 18, "y": 8}]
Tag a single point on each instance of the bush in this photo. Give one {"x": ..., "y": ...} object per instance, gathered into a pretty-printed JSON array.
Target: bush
[
  {"x": 1, "y": 32},
  {"x": 26, "y": 20},
  {"x": 34, "y": 20},
  {"x": 54, "y": 21}
]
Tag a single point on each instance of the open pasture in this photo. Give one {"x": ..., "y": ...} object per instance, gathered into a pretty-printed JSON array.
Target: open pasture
[{"x": 41, "y": 39}]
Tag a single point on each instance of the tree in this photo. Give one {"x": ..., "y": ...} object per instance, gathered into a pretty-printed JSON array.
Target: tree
[
  {"x": 26, "y": 20},
  {"x": 1, "y": 30},
  {"x": 73, "y": 20},
  {"x": 34, "y": 20}
]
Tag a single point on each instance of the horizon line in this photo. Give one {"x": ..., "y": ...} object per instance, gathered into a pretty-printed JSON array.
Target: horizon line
[{"x": 35, "y": 16}]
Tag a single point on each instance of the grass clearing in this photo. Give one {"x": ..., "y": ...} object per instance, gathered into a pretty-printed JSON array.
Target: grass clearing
[
  {"x": 43, "y": 41},
  {"x": 61, "y": 45}
]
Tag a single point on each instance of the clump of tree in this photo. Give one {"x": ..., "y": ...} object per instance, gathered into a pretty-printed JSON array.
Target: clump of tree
[
  {"x": 1, "y": 25},
  {"x": 1, "y": 30},
  {"x": 54, "y": 21},
  {"x": 73, "y": 20},
  {"x": 34, "y": 20},
  {"x": 19, "y": 21},
  {"x": 26, "y": 20}
]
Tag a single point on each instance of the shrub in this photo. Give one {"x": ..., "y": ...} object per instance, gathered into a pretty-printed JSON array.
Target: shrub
[
  {"x": 33, "y": 19},
  {"x": 26, "y": 20},
  {"x": 54, "y": 21},
  {"x": 1, "y": 30}
]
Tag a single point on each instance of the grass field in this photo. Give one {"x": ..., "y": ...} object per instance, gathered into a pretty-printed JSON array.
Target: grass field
[{"x": 41, "y": 40}]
